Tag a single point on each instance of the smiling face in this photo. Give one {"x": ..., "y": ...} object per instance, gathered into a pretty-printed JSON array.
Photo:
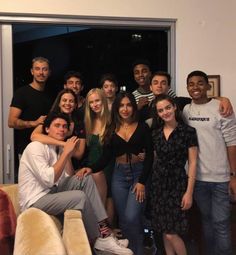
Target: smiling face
[
  {"x": 166, "y": 110},
  {"x": 159, "y": 85},
  {"x": 58, "y": 129},
  {"x": 125, "y": 109},
  {"x": 95, "y": 102},
  {"x": 142, "y": 74},
  {"x": 40, "y": 71},
  {"x": 197, "y": 88},
  {"x": 74, "y": 84},
  {"x": 67, "y": 103}
]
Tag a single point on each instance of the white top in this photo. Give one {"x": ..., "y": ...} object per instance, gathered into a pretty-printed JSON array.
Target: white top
[
  {"x": 214, "y": 133},
  {"x": 36, "y": 174}
]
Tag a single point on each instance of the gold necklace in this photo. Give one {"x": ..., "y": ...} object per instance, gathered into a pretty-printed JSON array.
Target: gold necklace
[
  {"x": 126, "y": 126},
  {"x": 195, "y": 109}
]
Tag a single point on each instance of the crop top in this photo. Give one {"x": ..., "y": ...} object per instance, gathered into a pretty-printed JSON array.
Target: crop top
[{"x": 140, "y": 141}]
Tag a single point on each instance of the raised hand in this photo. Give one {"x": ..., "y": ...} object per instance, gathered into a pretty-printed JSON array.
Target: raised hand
[{"x": 70, "y": 145}]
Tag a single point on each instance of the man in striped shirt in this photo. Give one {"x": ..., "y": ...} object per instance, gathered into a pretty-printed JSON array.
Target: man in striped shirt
[{"x": 142, "y": 73}]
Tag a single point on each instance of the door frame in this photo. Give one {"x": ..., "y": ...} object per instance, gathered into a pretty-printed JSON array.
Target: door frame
[{"x": 6, "y": 61}]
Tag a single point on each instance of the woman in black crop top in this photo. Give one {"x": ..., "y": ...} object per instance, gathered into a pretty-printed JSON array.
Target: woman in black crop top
[{"x": 125, "y": 139}]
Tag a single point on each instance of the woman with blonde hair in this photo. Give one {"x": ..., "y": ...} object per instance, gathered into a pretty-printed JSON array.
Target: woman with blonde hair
[{"x": 97, "y": 117}]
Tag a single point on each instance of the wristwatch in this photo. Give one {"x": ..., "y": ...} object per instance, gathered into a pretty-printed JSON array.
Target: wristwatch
[{"x": 232, "y": 173}]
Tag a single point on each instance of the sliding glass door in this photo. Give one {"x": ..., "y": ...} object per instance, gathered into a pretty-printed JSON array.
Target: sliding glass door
[{"x": 34, "y": 30}]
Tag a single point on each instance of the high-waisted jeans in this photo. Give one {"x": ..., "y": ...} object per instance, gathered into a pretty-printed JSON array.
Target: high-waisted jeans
[{"x": 129, "y": 210}]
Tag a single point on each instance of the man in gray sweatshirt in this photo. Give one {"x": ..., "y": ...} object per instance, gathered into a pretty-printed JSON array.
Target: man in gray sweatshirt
[{"x": 216, "y": 167}]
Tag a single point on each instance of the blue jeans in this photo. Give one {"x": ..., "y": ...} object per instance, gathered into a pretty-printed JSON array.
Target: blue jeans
[
  {"x": 130, "y": 211},
  {"x": 213, "y": 201}
]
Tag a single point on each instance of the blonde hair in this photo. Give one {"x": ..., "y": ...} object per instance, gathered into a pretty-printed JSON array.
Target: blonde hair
[
  {"x": 40, "y": 59},
  {"x": 89, "y": 117}
]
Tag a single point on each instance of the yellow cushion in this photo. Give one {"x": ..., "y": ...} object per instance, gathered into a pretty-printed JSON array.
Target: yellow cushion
[
  {"x": 37, "y": 234},
  {"x": 74, "y": 234}
]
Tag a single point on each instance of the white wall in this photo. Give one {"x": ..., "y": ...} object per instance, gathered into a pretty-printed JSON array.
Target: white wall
[{"x": 205, "y": 30}]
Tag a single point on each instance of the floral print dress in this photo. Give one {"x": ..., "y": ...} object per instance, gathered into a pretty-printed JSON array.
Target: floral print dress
[{"x": 169, "y": 179}]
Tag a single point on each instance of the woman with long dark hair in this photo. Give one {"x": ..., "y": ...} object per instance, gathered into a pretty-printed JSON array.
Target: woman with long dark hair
[
  {"x": 171, "y": 187},
  {"x": 124, "y": 139},
  {"x": 65, "y": 102}
]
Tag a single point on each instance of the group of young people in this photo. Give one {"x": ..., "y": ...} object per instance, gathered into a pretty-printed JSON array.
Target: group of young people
[{"x": 126, "y": 153}]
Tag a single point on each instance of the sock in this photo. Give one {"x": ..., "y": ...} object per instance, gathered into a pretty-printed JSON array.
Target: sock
[{"x": 104, "y": 229}]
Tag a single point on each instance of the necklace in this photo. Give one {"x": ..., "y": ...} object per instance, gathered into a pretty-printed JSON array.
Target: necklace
[
  {"x": 198, "y": 108},
  {"x": 126, "y": 126},
  {"x": 126, "y": 131},
  {"x": 195, "y": 109}
]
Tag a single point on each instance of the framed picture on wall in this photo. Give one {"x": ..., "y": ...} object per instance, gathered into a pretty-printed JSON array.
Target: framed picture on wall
[{"x": 214, "y": 81}]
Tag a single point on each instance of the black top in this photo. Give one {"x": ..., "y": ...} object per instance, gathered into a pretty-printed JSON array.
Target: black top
[
  {"x": 140, "y": 141},
  {"x": 33, "y": 103},
  {"x": 182, "y": 101},
  {"x": 173, "y": 153},
  {"x": 79, "y": 131},
  {"x": 79, "y": 128}
]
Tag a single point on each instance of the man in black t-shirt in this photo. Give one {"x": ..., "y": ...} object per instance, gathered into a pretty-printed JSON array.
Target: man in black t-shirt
[{"x": 30, "y": 105}]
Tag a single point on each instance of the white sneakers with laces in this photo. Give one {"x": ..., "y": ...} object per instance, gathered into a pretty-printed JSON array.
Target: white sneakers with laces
[{"x": 113, "y": 245}]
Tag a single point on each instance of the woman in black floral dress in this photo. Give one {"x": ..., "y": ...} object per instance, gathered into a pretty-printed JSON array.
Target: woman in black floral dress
[{"x": 171, "y": 187}]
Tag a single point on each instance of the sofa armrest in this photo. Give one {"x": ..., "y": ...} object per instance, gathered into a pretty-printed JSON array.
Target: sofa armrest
[
  {"x": 74, "y": 234},
  {"x": 37, "y": 234},
  {"x": 12, "y": 192}
]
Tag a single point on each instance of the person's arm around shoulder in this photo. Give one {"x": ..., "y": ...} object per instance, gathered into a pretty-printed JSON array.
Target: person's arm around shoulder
[
  {"x": 226, "y": 108},
  {"x": 14, "y": 120},
  {"x": 37, "y": 135},
  {"x": 192, "y": 165}
]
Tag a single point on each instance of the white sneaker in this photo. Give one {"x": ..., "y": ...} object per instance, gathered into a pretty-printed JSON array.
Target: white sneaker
[
  {"x": 110, "y": 244},
  {"x": 122, "y": 242}
]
